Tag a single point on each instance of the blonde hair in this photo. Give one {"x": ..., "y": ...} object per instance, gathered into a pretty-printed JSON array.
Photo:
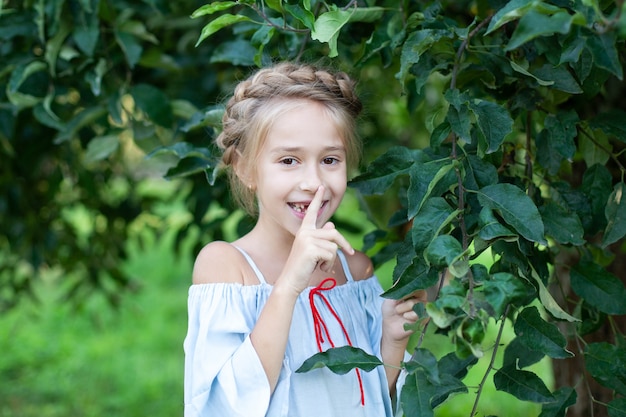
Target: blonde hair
[{"x": 270, "y": 92}]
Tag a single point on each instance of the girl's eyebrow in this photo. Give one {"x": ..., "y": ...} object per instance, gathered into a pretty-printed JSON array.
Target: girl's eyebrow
[{"x": 294, "y": 149}]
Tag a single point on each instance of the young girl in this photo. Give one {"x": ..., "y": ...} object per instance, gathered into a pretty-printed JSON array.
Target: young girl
[{"x": 293, "y": 286}]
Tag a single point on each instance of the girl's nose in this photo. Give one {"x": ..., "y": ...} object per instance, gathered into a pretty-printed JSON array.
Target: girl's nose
[{"x": 311, "y": 180}]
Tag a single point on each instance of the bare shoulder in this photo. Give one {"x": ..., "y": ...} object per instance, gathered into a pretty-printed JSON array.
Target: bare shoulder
[
  {"x": 218, "y": 262},
  {"x": 360, "y": 266}
]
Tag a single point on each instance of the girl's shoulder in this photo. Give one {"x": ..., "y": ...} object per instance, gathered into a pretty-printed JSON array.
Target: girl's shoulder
[
  {"x": 218, "y": 262},
  {"x": 360, "y": 265}
]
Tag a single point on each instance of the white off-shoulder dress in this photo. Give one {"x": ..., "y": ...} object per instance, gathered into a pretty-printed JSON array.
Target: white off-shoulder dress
[{"x": 223, "y": 373}]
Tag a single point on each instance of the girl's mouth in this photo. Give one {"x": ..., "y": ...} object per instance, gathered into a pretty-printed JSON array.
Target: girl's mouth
[{"x": 303, "y": 207}]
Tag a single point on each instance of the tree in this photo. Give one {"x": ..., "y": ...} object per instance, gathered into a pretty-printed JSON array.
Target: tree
[{"x": 498, "y": 131}]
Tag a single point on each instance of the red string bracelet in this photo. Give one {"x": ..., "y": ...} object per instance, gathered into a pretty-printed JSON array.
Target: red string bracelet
[{"x": 320, "y": 326}]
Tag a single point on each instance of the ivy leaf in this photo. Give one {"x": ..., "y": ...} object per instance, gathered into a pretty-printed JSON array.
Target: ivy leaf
[
  {"x": 565, "y": 398},
  {"x": 516, "y": 208},
  {"x": 341, "y": 360},
  {"x": 599, "y": 287},
  {"x": 563, "y": 225},
  {"x": 416, "y": 44},
  {"x": 607, "y": 364},
  {"x": 537, "y": 334},
  {"x": 424, "y": 360},
  {"x": 494, "y": 122},
  {"x": 524, "y": 385},
  {"x": 615, "y": 213},
  {"x": 415, "y": 276}
]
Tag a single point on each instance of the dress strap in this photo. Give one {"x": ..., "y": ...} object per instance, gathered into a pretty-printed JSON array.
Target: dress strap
[
  {"x": 255, "y": 268},
  {"x": 344, "y": 265}
]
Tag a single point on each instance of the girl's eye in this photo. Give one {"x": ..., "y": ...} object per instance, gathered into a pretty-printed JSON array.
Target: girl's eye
[
  {"x": 330, "y": 161},
  {"x": 288, "y": 161}
]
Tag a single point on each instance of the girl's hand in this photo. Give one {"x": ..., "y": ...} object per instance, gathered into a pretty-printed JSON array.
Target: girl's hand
[
  {"x": 397, "y": 313},
  {"x": 312, "y": 247}
]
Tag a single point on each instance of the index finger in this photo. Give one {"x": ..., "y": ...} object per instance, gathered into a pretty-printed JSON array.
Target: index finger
[{"x": 310, "y": 218}]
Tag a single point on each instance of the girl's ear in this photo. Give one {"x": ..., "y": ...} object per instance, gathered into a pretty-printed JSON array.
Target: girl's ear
[{"x": 244, "y": 172}]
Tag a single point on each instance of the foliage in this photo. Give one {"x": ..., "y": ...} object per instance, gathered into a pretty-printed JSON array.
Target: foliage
[
  {"x": 497, "y": 128},
  {"x": 523, "y": 99},
  {"x": 86, "y": 91}
]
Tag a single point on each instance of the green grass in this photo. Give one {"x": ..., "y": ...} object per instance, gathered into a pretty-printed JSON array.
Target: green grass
[{"x": 58, "y": 360}]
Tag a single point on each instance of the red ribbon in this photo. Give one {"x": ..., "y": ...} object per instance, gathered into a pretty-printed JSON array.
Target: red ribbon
[{"x": 320, "y": 326}]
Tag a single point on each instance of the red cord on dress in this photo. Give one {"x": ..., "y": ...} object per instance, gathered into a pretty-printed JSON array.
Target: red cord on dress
[{"x": 321, "y": 328}]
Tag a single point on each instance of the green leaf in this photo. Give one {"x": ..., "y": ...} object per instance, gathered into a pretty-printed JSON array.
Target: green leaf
[
  {"x": 18, "y": 76},
  {"x": 599, "y": 287},
  {"x": 537, "y": 334},
  {"x": 216, "y": 6},
  {"x": 458, "y": 114},
  {"x": 416, "y": 394},
  {"x": 190, "y": 166},
  {"x": 562, "y": 129},
  {"x": 565, "y": 398},
  {"x": 87, "y": 33},
  {"x": 617, "y": 407},
  {"x": 595, "y": 150},
  {"x": 604, "y": 51},
  {"x": 275, "y": 5},
  {"x": 563, "y": 225},
  {"x": 491, "y": 228},
  {"x": 535, "y": 24},
  {"x": 524, "y": 385},
  {"x": 327, "y": 27},
  {"x": 130, "y": 46},
  {"x": 517, "y": 353},
  {"x": 607, "y": 364},
  {"x": 101, "y": 147},
  {"x": 443, "y": 251},
  {"x": 302, "y": 14},
  {"x": 424, "y": 178},
  {"x": 182, "y": 150},
  {"x": 493, "y": 121},
  {"x": 561, "y": 78},
  {"x": 154, "y": 103},
  {"x": 415, "y": 45},
  {"x": 516, "y": 208},
  {"x": 597, "y": 185},
  {"x": 548, "y": 301},
  {"x": 518, "y": 68},
  {"x": 219, "y": 23},
  {"x": 502, "y": 289},
  {"x": 513, "y": 10},
  {"x": 415, "y": 276},
  {"x": 615, "y": 213},
  {"x": 84, "y": 118},
  {"x": 422, "y": 359},
  {"x": 237, "y": 52},
  {"x": 341, "y": 360},
  {"x": 435, "y": 214},
  {"x": 383, "y": 171},
  {"x": 611, "y": 123}
]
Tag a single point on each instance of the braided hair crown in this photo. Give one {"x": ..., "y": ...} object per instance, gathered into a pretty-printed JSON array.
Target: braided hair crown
[{"x": 252, "y": 108}]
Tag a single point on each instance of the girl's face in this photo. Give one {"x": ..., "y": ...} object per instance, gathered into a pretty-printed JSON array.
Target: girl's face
[{"x": 303, "y": 150}]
